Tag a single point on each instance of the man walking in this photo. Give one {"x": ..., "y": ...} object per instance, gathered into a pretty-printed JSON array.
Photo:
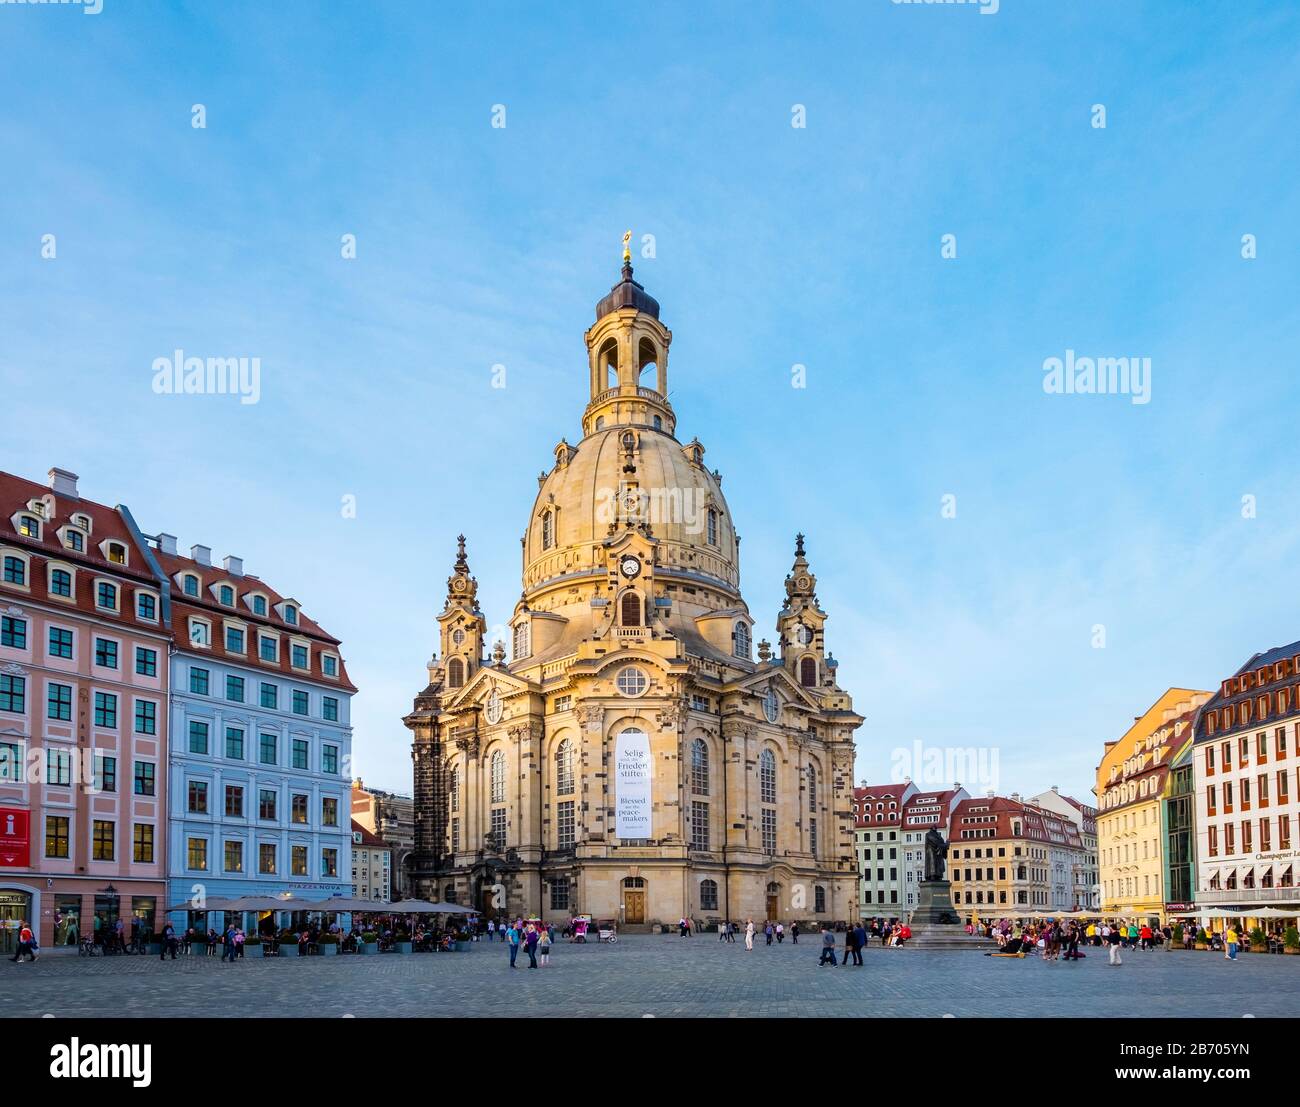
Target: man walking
[
  {"x": 859, "y": 940},
  {"x": 1113, "y": 939},
  {"x": 828, "y": 948}
]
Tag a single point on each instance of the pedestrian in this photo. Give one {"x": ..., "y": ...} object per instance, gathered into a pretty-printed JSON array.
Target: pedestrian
[
  {"x": 530, "y": 945},
  {"x": 859, "y": 940},
  {"x": 850, "y": 939},
  {"x": 1113, "y": 938},
  {"x": 26, "y": 944},
  {"x": 239, "y": 942},
  {"x": 1230, "y": 940},
  {"x": 780, "y": 934},
  {"x": 168, "y": 943},
  {"x": 492, "y": 930},
  {"x": 544, "y": 947},
  {"x": 828, "y": 947},
  {"x": 512, "y": 940},
  {"x": 767, "y": 931},
  {"x": 749, "y": 934},
  {"x": 681, "y": 927},
  {"x": 794, "y": 933}
]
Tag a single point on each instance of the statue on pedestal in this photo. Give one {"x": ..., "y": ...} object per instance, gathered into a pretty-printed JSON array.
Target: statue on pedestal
[{"x": 936, "y": 849}]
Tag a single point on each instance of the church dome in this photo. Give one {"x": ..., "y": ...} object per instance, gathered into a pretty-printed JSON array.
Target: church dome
[
  {"x": 590, "y": 495},
  {"x": 629, "y": 472}
]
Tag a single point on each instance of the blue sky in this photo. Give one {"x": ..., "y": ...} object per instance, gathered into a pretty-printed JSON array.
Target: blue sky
[{"x": 818, "y": 246}]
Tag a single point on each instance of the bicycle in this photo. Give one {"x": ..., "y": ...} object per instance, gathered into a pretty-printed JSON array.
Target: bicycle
[{"x": 88, "y": 948}]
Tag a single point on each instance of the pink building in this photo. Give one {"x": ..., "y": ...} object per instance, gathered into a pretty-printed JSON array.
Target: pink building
[{"x": 84, "y": 648}]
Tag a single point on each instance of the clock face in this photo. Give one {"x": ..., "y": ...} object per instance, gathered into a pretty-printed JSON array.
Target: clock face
[
  {"x": 459, "y": 585},
  {"x": 803, "y": 635},
  {"x": 629, "y": 567}
]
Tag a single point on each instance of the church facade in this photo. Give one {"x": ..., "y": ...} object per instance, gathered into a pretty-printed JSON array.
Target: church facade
[{"x": 633, "y": 758}]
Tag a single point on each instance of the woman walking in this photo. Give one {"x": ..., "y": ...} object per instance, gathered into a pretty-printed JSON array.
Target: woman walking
[
  {"x": 544, "y": 947},
  {"x": 749, "y": 935}
]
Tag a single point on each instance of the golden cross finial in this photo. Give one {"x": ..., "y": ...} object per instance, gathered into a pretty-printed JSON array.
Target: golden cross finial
[{"x": 627, "y": 248}]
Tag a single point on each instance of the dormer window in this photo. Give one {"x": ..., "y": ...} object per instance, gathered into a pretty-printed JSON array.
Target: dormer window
[
  {"x": 116, "y": 553},
  {"x": 329, "y": 664},
  {"x": 741, "y": 648},
  {"x": 226, "y": 595},
  {"x": 548, "y": 530},
  {"x": 29, "y": 526},
  {"x": 190, "y": 584},
  {"x": 82, "y": 521},
  {"x": 290, "y": 614},
  {"x": 521, "y": 641},
  {"x": 73, "y": 540},
  {"x": 259, "y": 605},
  {"x": 713, "y": 527},
  {"x": 39, "y": 508}
]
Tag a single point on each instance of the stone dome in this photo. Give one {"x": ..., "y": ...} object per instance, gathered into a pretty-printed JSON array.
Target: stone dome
[{"x": 664, "y": 482}]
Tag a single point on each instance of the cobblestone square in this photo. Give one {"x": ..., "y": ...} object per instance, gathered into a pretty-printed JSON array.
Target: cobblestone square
[{"x": 661, "y": 976}]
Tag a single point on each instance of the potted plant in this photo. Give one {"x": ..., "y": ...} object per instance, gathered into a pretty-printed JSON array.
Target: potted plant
[
  {"x": 253, "y": 946},
  {"x": 1291, "y": 940},
  {"x": 328, "y": 944},
  {"x": 1202, "y": 940},
  {"x": 1176, "y": 937},
  {"x": 1258, "y": 943},
  {"x": 402, "y": 942},
  {"x": 369, "y": 942},
  {"x": 463, "y": 944}
]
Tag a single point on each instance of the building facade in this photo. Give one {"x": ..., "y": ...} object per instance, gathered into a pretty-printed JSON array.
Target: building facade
[
  {"x": 634, "y": 759},
  {"x": 1086, "y": 877},
  {"x": 1247, "y": 779},
  {"x": 1132, "y": 784},
  {"x": 391, "y": 817},
  {"x": 372, "y": 865},
  {"x": 83, "y": 716},
  {"x": 878, "y": 847},
  {"x": 1178, "y": 824},
  {"x": 1008, "y": 858},
  {"x": 260, "y": 782}
]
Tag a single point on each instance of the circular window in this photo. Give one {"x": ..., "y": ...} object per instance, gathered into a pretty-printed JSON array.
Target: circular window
[
  {"x": 458, "y": 636},
  {"x": 492, "y": 709},
  {"x": 632, "y": 682},
  {"x": 771, "y": 705}
]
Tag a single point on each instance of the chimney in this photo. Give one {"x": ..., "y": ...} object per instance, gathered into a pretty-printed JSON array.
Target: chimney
[
  {"x": 166, "y": 543},
  {"x": 1056, "y": 789},
  {"x": 63, "y": 482},
  {"x": 201, "y": 554},
  {"x": 234, "y": 565},
  {"x": 1015, "y": 797}
]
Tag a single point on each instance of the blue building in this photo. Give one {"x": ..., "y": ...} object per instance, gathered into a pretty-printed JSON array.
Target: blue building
[{"x": 259, "y": 798}]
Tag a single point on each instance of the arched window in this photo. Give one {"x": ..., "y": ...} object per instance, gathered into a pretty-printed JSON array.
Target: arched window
[
  {"x": 819, "y": 899},
  {"x": 453, "y": 789},
  {"x": 808, "y": 672},
  {"x": 741, "y": 647},
  {"x": 564, "y": 769},
  {"x": 548, "y": 530},
  {"x": 713, "y": 527},
  {"x": 630, "y": 609},
  {"x": 812, "y": 788},
  {"x": 699, "y": 767},
  {"x": 499, "y": 776},
  {"x": 455, "y": 673},
  {"x": 708, "y": 895},
  {"x": 767, "y": 776},
  {"x": 521, "y": 641},
  {"x": 600, "y": 422},
  {"x": 658, "y": 423}
]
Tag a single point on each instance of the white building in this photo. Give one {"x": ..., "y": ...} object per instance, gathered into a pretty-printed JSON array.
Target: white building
[
  {"x": 372, "y": 865},
  {"x": 1085, "y": 877}
]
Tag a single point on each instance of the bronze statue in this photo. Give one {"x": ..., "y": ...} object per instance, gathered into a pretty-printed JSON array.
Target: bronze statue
[{"x": 936, "y": 849}]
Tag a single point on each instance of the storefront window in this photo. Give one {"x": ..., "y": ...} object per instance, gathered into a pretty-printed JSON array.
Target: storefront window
[
  {"x": 145, "y": 912},
  {"x": 67, "y": 921}
]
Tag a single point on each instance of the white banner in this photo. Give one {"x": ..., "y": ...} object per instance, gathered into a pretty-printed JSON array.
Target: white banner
[{"x": 632, "y": 771}]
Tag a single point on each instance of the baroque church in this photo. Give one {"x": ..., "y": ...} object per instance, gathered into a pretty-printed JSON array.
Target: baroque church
[{"x": 637, "y": 756}]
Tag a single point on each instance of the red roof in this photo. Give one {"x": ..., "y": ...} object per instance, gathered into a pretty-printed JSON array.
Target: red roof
[
  {"x": 245, "y": 585},
  {"x": 368, "y": 838},
  {"x": 973, "y": 819}
]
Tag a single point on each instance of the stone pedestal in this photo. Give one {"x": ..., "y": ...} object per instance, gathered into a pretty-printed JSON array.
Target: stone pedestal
[{"x": 935, "y": 923}]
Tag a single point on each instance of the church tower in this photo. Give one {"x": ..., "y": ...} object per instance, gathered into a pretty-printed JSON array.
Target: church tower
[
  {"x": 462, "y": 623},
  {"x": 800, "y": 627}
]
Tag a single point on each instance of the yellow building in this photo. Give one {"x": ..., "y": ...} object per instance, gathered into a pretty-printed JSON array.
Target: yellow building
[
  {"x": 1131, "y": 781},
  {"x": 634, "y": 759}
]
